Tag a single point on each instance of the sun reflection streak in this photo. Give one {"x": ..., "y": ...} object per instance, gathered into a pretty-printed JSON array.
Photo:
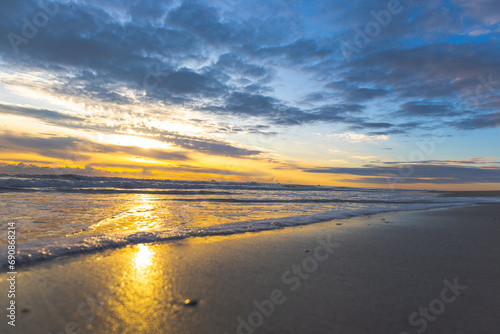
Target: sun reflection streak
[
  {"x": 143, "y": 258},
  {"x": 145, "y": 299},
  {"x": 143, "y": 209}
]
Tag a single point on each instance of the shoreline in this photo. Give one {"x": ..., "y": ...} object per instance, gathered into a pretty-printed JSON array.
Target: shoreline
[
  {"x": 296, "y": 280},
  {"x": 468, "y": 193},
  {"x": 39, "y": 254}
]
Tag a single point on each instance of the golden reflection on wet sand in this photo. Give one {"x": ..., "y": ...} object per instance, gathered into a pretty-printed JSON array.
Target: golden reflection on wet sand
[
  {"x": 143, "y": 258},
  {"x": 144, "y": 294}
]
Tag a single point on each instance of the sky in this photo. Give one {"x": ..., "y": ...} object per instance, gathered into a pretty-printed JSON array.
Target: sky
[{"x": 381, "y": 94}]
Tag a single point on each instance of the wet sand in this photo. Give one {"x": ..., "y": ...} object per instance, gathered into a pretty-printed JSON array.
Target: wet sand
[{"x": 439, "y": 268}]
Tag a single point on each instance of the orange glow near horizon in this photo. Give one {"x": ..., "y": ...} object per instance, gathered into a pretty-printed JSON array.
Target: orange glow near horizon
[
  {"x": 66, "y": 150},
  {"x": 264, "y": 175}
]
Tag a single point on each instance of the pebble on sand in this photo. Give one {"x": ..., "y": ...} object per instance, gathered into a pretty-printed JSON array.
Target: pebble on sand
[{"x": 190, "y": 302}]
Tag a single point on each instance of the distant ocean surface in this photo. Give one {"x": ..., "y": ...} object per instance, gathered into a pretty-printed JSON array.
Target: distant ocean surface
[{"x": 56, "y": 215}]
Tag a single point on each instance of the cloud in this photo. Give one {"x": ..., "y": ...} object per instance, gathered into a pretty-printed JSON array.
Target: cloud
[
  {"x": 191, "y": 84},
  {"x": 359, "y": 137},
  {"x": 97, "y": 169},
  {"x": 479, "y": 32},
  {"x": 491, "y": 120},
  {"x": 233, "y": 64},
  {"x": 363, "y": 157},
  {"x": 208, "y": 146},
  {"x": 486, "y": 11},
  {"x": 315, "y": 97},
  {"x": 425, "y": 109},
  {"x": 192, "y": 143},
  {"x": 224, "y": 59},
  {"x": 415, "y": 173},
  {"x": 77, "y": 149},
  {"x": 42, "y": 114},
  {"x": 298, "y": 52},
  {"x": 354, "y": 93},
  {"x": 479, "y": 161},
  {"x": 256, "y": 105}
]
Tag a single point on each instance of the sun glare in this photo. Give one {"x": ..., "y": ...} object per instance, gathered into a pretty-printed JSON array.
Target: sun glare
[{"x": 143, "y": 257}]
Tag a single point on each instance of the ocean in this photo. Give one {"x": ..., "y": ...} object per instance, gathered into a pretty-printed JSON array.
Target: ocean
[{"x": 58, "y": 215}]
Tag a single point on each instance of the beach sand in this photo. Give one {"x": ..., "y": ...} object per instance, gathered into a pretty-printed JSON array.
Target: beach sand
[{"x": 367, "y": 275}]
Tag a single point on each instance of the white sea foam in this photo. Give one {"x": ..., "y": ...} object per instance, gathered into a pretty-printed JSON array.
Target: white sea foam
[{"x": 37, "y": 250}]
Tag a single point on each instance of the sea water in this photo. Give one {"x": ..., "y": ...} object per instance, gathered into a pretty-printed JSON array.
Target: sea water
[{"x": 57, "y": 215}]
